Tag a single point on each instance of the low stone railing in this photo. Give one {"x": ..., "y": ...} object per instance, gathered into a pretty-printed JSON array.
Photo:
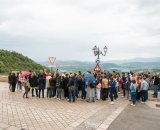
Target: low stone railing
[{"x": 3, "y": 78}]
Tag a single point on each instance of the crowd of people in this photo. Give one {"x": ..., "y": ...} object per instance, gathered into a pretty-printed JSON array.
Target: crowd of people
[{"x": 88, "y": 87}]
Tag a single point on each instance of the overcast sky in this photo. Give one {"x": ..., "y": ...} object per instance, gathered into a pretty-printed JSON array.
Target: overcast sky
[{"x": 69, "y": 29}]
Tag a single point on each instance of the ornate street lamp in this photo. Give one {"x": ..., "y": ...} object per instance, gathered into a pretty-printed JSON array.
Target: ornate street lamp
[{"x": 98, "y": 52}]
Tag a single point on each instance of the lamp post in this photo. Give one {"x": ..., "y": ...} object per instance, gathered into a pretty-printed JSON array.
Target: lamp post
[{"x": 98, "y": 52}]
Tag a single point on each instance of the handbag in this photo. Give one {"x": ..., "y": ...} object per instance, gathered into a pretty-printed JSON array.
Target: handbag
[
  {"x": 71, "y": 88},
  {"x": 98, "y": 85}
]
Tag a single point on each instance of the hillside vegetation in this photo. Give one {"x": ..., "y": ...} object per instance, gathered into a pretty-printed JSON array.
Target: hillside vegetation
[{"x": 13, "y": 61}]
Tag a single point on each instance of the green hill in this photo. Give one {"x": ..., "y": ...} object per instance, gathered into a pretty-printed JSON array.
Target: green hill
[{"x": 13, "y": 61}]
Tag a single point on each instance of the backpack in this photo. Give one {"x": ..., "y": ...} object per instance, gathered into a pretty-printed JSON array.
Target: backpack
[{"x": 93, "y": 84}]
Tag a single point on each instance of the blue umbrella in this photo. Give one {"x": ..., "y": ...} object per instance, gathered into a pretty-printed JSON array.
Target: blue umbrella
[
  {"x": 125, "y": 70},
  {"x": 89, "y": 78}
]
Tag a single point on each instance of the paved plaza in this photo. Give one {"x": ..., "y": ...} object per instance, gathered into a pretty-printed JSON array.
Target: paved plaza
[
  {"x": 47, "y": 114},
  {"x": 17, "y": 113}
]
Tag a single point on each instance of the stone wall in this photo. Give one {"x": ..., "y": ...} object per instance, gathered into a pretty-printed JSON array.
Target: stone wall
[{"x": 3, "y": 78}]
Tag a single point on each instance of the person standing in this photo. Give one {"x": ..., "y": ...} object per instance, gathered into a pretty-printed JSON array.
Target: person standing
[
  {"x": 144, "y": 89},
  {"x": 105, "y": 88},
  {"x": 112, "y": 88},
  {"x": 98, "y": 89},
  {"x": 79, "y": 83},
  {"x": 48, "y": 86},
  {"x": 41, "y": 83},
  {"x": 83, "y": 96},
  {"x": 25, "y": 83},
  {"x": 133, "y": 88},
  {"x": 34, "y": 84},
  {"x": 138, "y": 82},
  {"x": 156, "y": 83},
  {"x": 59, "y": 87},
  {"x": 124, "y": 84},
  {"x": 92, "y": 85},
  {"x": 65, "y": 83},
  {"x": 149, "y": 83},
  {"x": 10, "y": 81},
  {"x": 127, "y": 87},
  {"x": 19, "y": 82},
  {"x": 13, "y": 81},
  {"x": 71, "y": 88}
]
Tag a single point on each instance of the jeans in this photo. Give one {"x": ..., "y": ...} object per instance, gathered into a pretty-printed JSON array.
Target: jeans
[
  {"x": 19, "y": 85},
  {"x": 83, "y": 92},
  {"x": 115, "y": 93},
  {"x": 76, "y": 91},
  {"x": 49, "y": 92},
  {"x": 59, "y": 90},
  {"x": 71, "y": 95},
  {"x": 133, "y": 97},
  {"x": 144, "y": 95},
  {"x": 111, "y": 95},
  {"x": 156, "y": 90}
]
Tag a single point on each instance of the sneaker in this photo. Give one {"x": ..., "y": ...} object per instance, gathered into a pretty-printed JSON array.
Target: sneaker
[
  {"x": 133, "y": 104},
  {"x": 142, "y": 102},
  {"x": 122, "y": 96},
  {"x": 116, "y": 99},
  {"x": 112, "y": 103}
]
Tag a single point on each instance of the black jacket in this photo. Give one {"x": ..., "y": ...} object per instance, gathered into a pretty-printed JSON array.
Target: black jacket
[{"x": 156, "y": 81}]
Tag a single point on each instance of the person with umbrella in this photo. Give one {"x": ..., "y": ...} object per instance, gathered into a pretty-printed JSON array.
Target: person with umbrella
[{"x": 91, "y": 84}]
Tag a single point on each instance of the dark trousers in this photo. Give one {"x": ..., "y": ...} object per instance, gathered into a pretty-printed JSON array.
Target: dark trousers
[
  {"x": 138, "y": 95},
  {"x": 104, "y": 93},
  {"x": 115, "y": 93},
  {"x": 111, "y": 95},
  {"x": 42, "y": 93},
  {"x": 124, "y": 92},
  {"x": 144, "y": 95},
  {"x": 66, "y": 93},
  {"x": 13, "y": 87},
  {"x": 83, "y": 96},
  {"x": 33, "y": 91}
]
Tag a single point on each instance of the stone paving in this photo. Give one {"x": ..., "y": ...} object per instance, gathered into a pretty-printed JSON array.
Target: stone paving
[{"x": 17, "y": 113}]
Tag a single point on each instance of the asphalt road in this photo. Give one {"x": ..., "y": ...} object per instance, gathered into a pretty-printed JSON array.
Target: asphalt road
[{"x": 140, "y": 117}]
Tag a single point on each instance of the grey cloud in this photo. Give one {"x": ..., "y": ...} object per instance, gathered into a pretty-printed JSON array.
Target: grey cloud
[{"x": 69, "y": 29}]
